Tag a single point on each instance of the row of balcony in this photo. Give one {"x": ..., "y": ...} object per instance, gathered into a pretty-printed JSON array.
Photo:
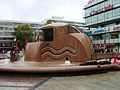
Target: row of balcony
[
  {"x": 2, "y": 41},
  {"x": 102, "y": 21},
  {"x": 108, "y": 41}
]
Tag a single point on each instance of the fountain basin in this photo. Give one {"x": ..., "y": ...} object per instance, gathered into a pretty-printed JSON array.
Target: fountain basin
[{"x": 56, "y": 67}]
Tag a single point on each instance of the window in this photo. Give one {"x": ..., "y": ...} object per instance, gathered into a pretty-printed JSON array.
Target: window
[
  {"x": 116, "y": 12},
  {"x": 101, "y": 17},
  {"x": 110, "y": 14},
  {"x": 94, "y": 19},
  {"x": 88, "y": 20},
  {"x": 1, "y": 28},
  {"x": 100, "y": 6},
  {"x": 7, "y": 33},
  {"x": 1, "y": 33},
  {"x": 8, "y": 28},
  {"x": 88, "y": 11},
  {"x": 98, "y": 37},
  {"x": 114, "y": 35},
  {"x": 109, "y": 2},
  {"x": 107, "y": 36},
  {"x": 94, "y": 8},
  {"x": 106, "y": 15},
  {"x": 116, "y": 2}
]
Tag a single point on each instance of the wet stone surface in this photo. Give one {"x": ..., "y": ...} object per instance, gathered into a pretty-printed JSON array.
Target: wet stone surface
[{"x": 21, "y": 81}]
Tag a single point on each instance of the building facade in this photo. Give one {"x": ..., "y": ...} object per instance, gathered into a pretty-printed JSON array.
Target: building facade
[
  {"x": 6, "y": 29},
  {"x": 103, "y": 19}
]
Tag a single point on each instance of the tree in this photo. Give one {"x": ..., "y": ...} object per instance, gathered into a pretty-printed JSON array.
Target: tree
[
  {"x": 22, "y": 33},
  {"x": 48, "y": 22}
]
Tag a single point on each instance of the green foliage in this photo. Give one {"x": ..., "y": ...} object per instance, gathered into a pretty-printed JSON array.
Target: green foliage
[
  {"x": 48, "y": 22},
  {"x": 23, "y": 32}
]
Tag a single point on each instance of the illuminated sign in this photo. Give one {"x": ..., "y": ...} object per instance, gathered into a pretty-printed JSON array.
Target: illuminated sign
[
  {"x": 109, "y": 7},
  {"x": 116, "y": 28}
]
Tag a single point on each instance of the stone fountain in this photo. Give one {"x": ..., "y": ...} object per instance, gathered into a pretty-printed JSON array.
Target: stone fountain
[{"x": 62, "y": 48}]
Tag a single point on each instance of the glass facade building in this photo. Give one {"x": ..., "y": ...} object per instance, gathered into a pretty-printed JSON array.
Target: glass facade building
[{"x": 103, "y": 19}]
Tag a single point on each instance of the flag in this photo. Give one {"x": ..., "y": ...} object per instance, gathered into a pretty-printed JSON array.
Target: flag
[
  {"x": 17, "y": 48},
  {"x": 116, "y": 61},
  {"x": 104, "y": 43}
]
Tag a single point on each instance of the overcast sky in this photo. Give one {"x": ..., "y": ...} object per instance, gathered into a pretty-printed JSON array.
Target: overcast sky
[{"x": 38, "y": 10}]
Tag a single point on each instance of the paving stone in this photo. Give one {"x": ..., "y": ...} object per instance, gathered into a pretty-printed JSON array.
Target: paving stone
[{"x": 102, "y": 81}]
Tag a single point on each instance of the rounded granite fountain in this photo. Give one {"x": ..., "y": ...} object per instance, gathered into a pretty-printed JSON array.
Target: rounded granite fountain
[{"x": 63, "y": 49}]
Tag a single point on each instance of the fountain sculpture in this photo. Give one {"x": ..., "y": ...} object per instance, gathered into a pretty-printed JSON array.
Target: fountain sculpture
[
  {"x": 63, "y": 48},
  {"x": 60, "y": 41}
]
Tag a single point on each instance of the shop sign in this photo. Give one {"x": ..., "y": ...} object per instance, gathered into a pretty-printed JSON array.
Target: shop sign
[
  {"x": 116, "y": 28},
  {"x": 89, "y": 32},
  {"x": 99, "y": 31},
  {"x": 109, "y": 7}
]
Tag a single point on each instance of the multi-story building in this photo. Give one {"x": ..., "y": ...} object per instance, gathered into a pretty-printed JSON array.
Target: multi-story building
[
  {"x": 6, "y": 29},
  {"x": 103, "y": 19}
]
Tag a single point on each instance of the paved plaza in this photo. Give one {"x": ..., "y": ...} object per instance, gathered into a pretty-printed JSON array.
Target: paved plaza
[{"x": 101, "y": 81}]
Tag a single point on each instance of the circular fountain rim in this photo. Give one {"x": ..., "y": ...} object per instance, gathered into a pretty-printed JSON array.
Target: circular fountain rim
[{"x": 59, "y": 69}]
